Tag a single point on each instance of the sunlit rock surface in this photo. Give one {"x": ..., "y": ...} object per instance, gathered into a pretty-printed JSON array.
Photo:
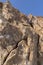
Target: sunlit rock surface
[{"x": 21, "y": 37}]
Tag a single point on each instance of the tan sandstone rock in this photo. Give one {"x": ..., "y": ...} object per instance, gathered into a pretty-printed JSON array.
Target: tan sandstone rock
[{"x": 21, "y": 37}]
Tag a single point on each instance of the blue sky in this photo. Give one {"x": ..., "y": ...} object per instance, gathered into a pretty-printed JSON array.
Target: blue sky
[{"x": 27, "y": 7}]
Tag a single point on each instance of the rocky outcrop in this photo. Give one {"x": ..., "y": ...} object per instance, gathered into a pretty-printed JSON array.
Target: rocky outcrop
[{"x": 21, "y": 37}]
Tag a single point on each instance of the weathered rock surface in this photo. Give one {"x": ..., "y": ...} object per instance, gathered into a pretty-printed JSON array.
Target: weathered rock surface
[{"x": 21, "y": 37}]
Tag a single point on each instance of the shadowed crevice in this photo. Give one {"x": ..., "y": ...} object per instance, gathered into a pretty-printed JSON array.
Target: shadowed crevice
[{"x": 10, "y": 52}]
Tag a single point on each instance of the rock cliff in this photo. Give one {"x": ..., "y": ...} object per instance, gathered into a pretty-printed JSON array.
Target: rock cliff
[{"x": 21, "y": 37}]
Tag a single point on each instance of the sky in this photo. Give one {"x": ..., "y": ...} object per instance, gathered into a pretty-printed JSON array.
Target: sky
[{"x": 34, "y": 7}]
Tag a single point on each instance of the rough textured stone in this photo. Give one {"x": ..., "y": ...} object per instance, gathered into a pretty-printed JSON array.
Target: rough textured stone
[
  {"x": 18, "y": 56},
  {"x": 21, "y": 37}
]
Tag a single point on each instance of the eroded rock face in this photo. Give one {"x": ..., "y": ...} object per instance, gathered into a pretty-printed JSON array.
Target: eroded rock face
[{"x": 21, "y": 37}]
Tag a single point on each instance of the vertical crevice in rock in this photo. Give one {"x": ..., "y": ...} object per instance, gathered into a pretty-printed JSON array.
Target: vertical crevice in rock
[
  {"x": 38, "y": 62},
  {"x": 33, "y": 51},
  {"x": 31, "y": 22},
  {"x": 41, "y": 50}
]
